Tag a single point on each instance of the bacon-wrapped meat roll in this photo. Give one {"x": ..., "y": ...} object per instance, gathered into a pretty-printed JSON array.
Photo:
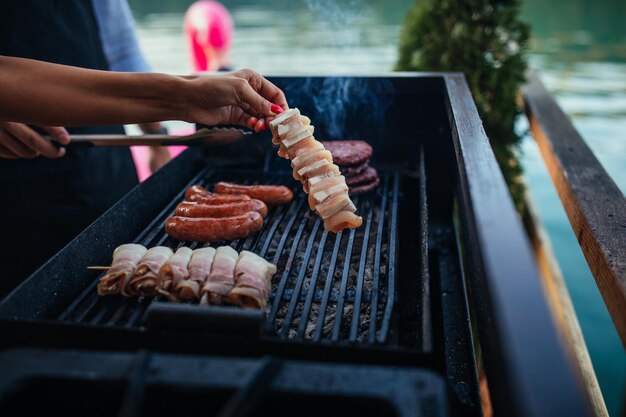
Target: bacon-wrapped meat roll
[
  {"x": 222, "y": 277},
  {"x": 253, "y": 276},
  {"x": 199, "y": 269},
  {"x": 145, "y": 281},
  {"x": 175, "y": 269},
  {"x": 125, "y": 260}
]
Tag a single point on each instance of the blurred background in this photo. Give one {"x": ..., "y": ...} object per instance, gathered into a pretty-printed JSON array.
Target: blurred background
[{"x": 579, "y": 47}]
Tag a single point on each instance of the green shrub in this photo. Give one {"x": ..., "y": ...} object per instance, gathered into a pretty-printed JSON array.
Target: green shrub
[{"x": 486, "y": 40}]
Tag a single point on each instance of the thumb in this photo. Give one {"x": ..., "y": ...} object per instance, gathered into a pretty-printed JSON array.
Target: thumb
[
  {"x": 58, "y": 133},
  {"x": 257, "y": 103}
]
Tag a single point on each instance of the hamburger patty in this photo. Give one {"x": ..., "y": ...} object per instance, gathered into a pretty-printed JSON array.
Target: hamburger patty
[
  {"x": 354, "y": 170},
  {"x": 364, "y": 187},
  {"x": 366, "y": 176},
  {"x": 349, "y": 153}
]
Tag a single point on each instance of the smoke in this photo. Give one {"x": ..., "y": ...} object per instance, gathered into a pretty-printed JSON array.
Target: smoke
[
  {"x": 337, "y": 11},
  {"x": 343, "y": 107},
  {"x": 338, "y": 19}
]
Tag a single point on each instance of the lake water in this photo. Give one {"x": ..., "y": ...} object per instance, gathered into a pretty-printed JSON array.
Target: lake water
[{"x": 579, "y": 46}]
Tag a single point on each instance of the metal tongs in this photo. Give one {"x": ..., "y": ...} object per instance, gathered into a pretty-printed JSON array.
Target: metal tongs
[{"x": 214, "y": 136}]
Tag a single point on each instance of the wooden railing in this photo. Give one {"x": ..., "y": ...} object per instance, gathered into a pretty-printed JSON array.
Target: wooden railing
[{"x": 595, "y": 206}]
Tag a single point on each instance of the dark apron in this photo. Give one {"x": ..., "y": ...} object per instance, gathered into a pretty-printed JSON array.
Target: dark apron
[{"x": 46, "y": 202}]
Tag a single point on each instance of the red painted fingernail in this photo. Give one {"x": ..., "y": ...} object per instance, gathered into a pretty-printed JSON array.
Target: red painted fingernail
[
  {"x": 261, "y": 126},
  {"x": 253, "y": 121},
  {"x": 276, "y": 108}
]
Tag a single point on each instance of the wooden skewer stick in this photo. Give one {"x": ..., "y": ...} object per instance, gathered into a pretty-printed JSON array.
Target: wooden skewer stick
[{"x": 99, "y": 268}]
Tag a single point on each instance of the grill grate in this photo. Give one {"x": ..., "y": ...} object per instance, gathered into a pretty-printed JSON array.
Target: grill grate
[{"x": 327, "y": 288}]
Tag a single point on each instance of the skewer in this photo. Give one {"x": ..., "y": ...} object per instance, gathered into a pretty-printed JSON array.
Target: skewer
[{"x": 119, "y": 280}]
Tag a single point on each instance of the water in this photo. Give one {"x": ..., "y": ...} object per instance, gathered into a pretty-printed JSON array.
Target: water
[
  {"x": 580, "y": 49},
  {"x": 579, "y": 46},
  {"x": 282, "y": 36}
]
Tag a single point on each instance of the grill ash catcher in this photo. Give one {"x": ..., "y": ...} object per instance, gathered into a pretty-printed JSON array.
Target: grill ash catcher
[{"x": 372, "y": 321}]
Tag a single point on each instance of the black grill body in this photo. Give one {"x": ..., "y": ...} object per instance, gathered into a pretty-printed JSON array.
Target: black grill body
[
  {"x": 103, "y": 383},
  {"x": 391, "y": 293}
]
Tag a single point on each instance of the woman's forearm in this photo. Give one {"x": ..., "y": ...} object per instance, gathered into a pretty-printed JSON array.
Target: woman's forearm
[{"x": 49, "y": 94}]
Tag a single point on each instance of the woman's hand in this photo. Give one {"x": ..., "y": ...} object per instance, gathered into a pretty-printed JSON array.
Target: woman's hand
[
  {"x": 84, "y": 97},
  {"x": 17, "y": 140},
  {"x": 242, "y": 97}
]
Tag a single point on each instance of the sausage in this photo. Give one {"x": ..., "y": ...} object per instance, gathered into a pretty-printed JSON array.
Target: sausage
[
  {"x": 213, "y": 229},
  {"x": 196, "y": 209},
  {"x": 217, "y": 199},
  {"x": 269, "y": 194},
  {"x": 200, "y": 194},
  {"x": 196, "y": 189}
]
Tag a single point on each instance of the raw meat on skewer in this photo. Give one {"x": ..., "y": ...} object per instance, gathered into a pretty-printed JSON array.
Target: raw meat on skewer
[
  {"x": 312, "y": 164},
  {"x": 199, "y": 269},
  {"x": 213, "y": 275},
  {"x": 145, "y": 281},
  {"x": 175, "y": 269},
  {"x": 125, "y": 260},
  {"x": 222, "y": 277},
  {"x": 253, "y": 276}
]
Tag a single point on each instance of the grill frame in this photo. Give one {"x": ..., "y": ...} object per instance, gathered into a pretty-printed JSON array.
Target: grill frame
[{"x": 496, "y": 262}]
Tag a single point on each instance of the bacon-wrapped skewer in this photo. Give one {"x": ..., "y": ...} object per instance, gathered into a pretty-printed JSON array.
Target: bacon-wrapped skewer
[
  {"x": 175, "y": 269},
  {"x": 125, "y": 260},
  {"x": 222, "y": 277},
  {"x": 145, "y": 281},
  {"x": 253, "y": 276},
  {"x": 199, "y": 269},
  {"x": 313, "y": 166}
]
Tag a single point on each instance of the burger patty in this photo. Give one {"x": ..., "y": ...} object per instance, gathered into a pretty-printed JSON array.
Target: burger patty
[
  {"x": 365, "y": 187},
  {"x": 354, "y": 170},
  {"x": 349, "y": 153},
  {"x": 366, "y": 176}
]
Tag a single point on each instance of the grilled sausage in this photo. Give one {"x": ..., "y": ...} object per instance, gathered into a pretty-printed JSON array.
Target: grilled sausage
[
  {"x": 269, "y": 194},
  {"x": 214, "y": 199},
  {"x": 235, "y": 208},
  {"x": 202, "y": 195},
  {"x": 214, "y": 229}
]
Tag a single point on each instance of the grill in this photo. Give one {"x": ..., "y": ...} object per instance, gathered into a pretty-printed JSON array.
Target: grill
[
  {"x": 328, "y": 287},
  {"x": 145, "y": 383},
  {"x": 440, "y": 265}
]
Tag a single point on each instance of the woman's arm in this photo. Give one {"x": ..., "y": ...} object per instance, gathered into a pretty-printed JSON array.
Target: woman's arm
[{"x": 58, "y": 95}]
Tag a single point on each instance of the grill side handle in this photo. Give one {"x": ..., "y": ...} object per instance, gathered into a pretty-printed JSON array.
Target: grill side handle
[{"x": 214, "y": 320}]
